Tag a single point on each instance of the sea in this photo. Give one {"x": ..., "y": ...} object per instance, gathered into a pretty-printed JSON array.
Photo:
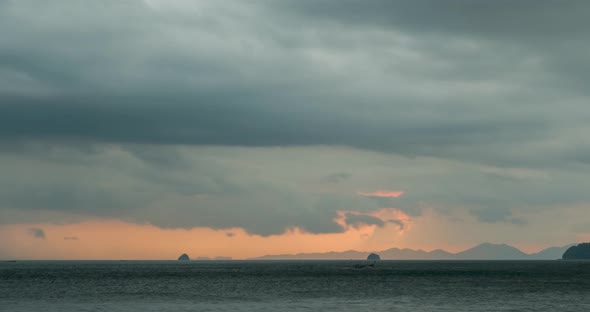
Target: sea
[{"x": 294, "y": 286}]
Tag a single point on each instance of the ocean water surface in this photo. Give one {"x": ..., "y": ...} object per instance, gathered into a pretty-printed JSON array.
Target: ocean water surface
[{"x": 294, "y": 286}]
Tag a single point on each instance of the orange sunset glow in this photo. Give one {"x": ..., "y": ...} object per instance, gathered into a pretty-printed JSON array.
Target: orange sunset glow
[{"x": 113, "y": 239}]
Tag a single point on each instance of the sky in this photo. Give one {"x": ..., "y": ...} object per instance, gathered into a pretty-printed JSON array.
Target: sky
[{"x": 144, "y": 129}]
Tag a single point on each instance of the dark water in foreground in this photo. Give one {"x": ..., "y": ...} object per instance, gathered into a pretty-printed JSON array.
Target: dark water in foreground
[{"x": 294, "y": 286}]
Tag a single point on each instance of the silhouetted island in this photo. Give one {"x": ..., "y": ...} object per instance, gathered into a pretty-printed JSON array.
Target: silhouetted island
[
  {"x": 579, "y": 252},
  {"x": 373, "y": 257},
  {"x": 184, "y": 257},
  {"x": 485, "y": 251}
]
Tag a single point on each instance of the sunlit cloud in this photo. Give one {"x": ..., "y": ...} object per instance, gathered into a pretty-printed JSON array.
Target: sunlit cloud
[
  {"x": 395, "y": 216},
  {"x": 386, "y": 194},
  {"x": 376, "y": 219}
]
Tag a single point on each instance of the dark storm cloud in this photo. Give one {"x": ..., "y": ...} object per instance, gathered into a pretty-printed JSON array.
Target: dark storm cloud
[
  {"x": 84, "y": 88},
  {"x": 95, "y": 96},
  {"x": 503, "y": 18},
  {"x": 37, "y": 233},
  {"x": 227, "y": 121}
]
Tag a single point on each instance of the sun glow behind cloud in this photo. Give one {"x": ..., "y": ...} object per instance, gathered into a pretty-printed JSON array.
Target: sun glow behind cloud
[{"x": 384, "y": 215}]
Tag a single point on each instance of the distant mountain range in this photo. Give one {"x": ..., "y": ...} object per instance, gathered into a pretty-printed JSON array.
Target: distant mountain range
[{"x": 485, "y": 251}]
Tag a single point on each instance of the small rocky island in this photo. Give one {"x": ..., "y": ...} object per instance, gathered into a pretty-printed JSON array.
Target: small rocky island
[
  {"x": 579, "y": 252},
  {"x": 373, "y": 257},
  {"x": 184, "y": 257}
]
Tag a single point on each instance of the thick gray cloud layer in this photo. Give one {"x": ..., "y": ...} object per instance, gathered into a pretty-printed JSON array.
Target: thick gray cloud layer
[
  {"x": 108, "y": 89},
  {"x": 422, "y": 78}
]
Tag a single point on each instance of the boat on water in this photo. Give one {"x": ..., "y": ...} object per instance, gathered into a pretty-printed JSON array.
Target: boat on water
[
  {"x": 362, "y": 266},
  {"x": 373, "y": 257}
]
